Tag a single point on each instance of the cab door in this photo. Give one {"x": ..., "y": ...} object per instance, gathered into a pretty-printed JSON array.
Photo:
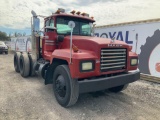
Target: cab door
[{"x": 49, "y": 41}]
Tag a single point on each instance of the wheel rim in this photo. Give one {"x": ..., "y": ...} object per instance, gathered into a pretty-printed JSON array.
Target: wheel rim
[{"x": 60, "y": 86}]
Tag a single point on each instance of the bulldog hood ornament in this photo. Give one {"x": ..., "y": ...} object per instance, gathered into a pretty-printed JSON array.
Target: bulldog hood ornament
[{"x": 113, "y": 40}]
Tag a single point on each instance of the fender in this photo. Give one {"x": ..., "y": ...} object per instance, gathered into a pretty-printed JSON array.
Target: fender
[{"x": 64, "y": 54}]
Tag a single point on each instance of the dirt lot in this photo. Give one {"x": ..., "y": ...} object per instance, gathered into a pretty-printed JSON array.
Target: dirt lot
[{"x": 27, "y": 99}]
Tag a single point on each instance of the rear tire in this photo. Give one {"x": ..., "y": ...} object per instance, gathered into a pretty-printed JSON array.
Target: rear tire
[
  {"x": 66, "y": 89},
  {"x": 32, "y": 66},
  {"x": 118, "y": 88},
  {"x": 16, "y": 61},
  {"x": 24, "y": 65}
]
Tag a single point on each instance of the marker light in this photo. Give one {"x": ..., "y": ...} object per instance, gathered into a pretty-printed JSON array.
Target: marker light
[
  {"x": 61, "y": 10},
  {"x": 73, "y": 12},
  {"x": 78, "y": 13},
  {"x": 85, "y": 14},
  {"x": 75, "y": 48},
  {"x": 57, "y": 12}
]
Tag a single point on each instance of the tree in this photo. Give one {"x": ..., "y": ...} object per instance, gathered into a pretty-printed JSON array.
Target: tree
[{"x": 3, "y": 36}]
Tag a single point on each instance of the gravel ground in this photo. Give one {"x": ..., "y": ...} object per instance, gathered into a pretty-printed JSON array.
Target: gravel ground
[{"x": 28, "y": 98}]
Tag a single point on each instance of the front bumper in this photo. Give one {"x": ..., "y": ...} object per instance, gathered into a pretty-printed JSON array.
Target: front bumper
[{"x": 108, "y": 82}]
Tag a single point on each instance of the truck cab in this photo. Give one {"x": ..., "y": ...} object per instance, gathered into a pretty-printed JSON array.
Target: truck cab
[
  {"x": 76, "y": 62},
  {"x": 56, "y": 28}
]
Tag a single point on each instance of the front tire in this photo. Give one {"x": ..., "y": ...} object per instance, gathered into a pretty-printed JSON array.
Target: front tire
[
  {"x": 66, "y": 89},
  {"x": 118, "y": 88}
]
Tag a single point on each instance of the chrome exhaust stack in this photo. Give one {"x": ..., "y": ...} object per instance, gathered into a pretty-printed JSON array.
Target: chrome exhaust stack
[
  {"x": 35, "y": 24},
  {"x": 34, "y": 56}
]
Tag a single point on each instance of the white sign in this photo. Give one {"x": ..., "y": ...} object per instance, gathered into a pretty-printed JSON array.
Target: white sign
[
  {"x": 13, "y": 42},
  {"x": 21, "y": 44}
]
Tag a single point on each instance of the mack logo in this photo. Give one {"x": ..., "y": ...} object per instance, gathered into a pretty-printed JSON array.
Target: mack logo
[{"x": 114, "y": 45}]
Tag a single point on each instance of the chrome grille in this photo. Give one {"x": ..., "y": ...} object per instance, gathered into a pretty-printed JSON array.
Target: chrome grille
[{"x": 113, "y": 59}]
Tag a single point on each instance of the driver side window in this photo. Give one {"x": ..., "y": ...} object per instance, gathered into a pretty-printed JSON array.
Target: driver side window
[
  {"x": 51, "y": 24},
  {"x": 47, "y": 23}
]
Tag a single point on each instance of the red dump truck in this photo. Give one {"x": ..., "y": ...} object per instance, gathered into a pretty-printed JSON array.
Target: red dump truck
[{"x": 75, "y": 61}]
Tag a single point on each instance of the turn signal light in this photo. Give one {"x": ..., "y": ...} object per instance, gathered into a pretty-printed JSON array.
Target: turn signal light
[{"x": 75, "y": 48}]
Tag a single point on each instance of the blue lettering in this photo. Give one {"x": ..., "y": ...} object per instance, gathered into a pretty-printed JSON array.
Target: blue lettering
[
  {"x": 120, "y": 36},
  {"x": 110, "y": 34},
  {"x": 96, "y": 34},
  {"x": 104, "y": 35},
  {"x": 127, "y": 41}
]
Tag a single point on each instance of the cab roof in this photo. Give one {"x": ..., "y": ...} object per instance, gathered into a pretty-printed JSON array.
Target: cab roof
[{"x": 71, "y": 15}]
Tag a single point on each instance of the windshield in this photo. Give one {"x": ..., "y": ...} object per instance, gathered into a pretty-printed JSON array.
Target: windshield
[
  {"x": 82, "y": 27},
  {"x": 2, "y": 43}
]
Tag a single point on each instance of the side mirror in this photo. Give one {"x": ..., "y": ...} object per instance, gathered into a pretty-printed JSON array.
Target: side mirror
[
  {"x": 60, "y": 38},
  {"x": 49, "y": 28},
  {"x": 71, "y": 24}
]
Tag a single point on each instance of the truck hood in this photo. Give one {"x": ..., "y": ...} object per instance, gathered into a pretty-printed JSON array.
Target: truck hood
[{"x": 95, "y": 43}]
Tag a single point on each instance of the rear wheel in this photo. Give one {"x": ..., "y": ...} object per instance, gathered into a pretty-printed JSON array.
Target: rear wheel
[
  {"x": 65, "y": 88},
  {"x": 32, "y": 65},
  {"x": 16, "y": 61},
  {"x": 24, "y": 65},
  {"x": 118, "y": 88}
]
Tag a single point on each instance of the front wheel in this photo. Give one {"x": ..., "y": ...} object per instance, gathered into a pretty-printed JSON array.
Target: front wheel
[
  {"x": 65, "y": 88},
  {"x": 118, "y": 88}
]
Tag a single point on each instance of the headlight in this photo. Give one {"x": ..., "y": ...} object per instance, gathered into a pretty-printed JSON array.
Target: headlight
[
  {"x": 134, "y": 61},
  {"x": 86, "y": 66}
]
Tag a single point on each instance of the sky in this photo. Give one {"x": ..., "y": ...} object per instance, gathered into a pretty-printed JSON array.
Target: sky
[{"x": 15, "y": 15}]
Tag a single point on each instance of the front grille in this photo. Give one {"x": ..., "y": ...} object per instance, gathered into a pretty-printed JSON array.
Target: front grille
[{"x": 113, "y": 59}]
